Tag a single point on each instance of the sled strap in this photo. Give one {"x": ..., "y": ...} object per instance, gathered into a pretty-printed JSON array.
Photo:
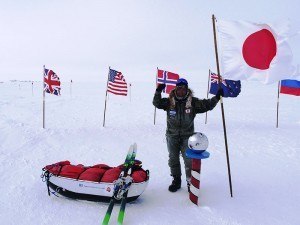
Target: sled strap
[
  {"x": 47, "y": 182},
  {"x": 60, "y": 168},
  {"x": 45, "y": 178},
  {"x": 56, "y": 191},
  {"x": 85, "y": 168}
]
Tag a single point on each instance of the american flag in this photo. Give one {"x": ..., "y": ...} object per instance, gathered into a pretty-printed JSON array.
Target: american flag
[
  {"x": 231, "y": 88},
  {"x": 116, "y": 83},
  {"x": 51, "y": 82},
  {"x": 168, "y": 78}
]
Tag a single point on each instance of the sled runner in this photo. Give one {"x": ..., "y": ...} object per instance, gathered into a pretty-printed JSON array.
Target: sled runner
[{"x": 93, "y": 183}]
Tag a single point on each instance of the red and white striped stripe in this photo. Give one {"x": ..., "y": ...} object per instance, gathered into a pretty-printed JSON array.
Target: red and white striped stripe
[
  {"x": 195, "y": 181},
  {"x": 119, "y": 86}
]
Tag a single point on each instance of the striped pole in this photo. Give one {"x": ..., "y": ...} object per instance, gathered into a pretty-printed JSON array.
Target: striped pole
[
  {"x": 195, "y": 181},
  {"x": 196, "y": 157}
]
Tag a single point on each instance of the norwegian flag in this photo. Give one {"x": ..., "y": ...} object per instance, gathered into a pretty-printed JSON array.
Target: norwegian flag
[
  {"x": 51, "y": 82},
  {"x": 116, "y": 83},
  {"x": 168, "y": 78},
  {"x": 231, "y": 88}
]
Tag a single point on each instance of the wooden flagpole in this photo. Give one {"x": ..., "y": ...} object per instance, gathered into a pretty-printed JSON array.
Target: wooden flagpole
[
  {"x": 222, "y": 106},
  {"x": 155, "y": 87},
  {"x": 106, "y": 98},
  {"x": 207, "y": 93},
  {"x": 43, "y": 98},
  {"x": 278, "y": 93}
]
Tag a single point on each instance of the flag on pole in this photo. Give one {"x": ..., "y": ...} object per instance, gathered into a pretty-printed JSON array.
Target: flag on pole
[
  {"x": 51, "y": 82},
  {"x": 251, "y": 51},
  {"x": 168, "y": 78},
  {"x": 116, "y": 83},
  {"x": 231, "y": 88},
  {"x": 290, "y": 87}
]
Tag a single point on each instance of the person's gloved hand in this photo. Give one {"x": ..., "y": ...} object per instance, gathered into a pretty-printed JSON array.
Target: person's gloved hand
[
  {"x": 160, "y": 87},
  {"x": 220, "y": 93}
]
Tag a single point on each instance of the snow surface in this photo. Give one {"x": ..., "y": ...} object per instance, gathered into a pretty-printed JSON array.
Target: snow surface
[{"x": 264, "y": 159}]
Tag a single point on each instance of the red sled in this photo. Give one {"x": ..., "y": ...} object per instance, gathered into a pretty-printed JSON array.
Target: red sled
[{"x": 92, "y": 183}]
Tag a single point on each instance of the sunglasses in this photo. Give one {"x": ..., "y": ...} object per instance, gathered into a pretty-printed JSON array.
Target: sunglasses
[{"x": 181, "y": 87}]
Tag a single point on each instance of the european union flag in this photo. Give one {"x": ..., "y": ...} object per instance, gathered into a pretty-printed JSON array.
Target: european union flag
[{"x": 231, "y": 88}]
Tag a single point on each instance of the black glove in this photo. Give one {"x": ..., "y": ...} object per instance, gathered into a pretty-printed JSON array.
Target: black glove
[
  {"x": 160, "y": 87},
  {"x": 220, "y": 93}
]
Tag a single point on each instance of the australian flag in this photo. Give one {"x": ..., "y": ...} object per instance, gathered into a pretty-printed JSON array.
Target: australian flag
[
  {"x": 231, "y": 88},
  {"x": 51, "y": 82}
]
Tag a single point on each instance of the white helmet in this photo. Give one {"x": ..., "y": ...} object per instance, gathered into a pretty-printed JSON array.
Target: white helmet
[{"x": 198, "y": 141}]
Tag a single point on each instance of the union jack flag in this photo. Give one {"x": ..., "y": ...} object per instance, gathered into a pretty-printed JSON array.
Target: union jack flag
[
  {"x": 168, "y": 78},
  {"x": 116, "y": 83},
  {"x": 51, "y": 82},
  {"x": 231, "y": 88}
]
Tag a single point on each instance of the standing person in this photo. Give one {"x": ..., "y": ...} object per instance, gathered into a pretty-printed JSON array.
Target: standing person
[{"x": 181, "y": 107}]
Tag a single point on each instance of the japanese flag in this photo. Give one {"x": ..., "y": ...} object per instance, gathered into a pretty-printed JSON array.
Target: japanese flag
[{"x": 252, "y": 51}]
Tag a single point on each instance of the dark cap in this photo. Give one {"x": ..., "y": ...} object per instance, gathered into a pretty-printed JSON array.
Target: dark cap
[{"x": 182, "y": 82}]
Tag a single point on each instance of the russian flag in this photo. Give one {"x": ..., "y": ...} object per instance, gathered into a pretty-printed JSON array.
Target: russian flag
[{"x": 290, "y": 87}]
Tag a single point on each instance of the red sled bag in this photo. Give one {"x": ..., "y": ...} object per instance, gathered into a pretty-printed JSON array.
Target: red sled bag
[{"x": 95, "y": 183}]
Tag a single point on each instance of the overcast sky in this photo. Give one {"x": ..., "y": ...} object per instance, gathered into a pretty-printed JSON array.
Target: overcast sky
[{"x": 80, "y": 39}]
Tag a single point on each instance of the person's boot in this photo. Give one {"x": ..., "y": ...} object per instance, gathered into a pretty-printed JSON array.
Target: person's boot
[{"x": 176, "y": 184}]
